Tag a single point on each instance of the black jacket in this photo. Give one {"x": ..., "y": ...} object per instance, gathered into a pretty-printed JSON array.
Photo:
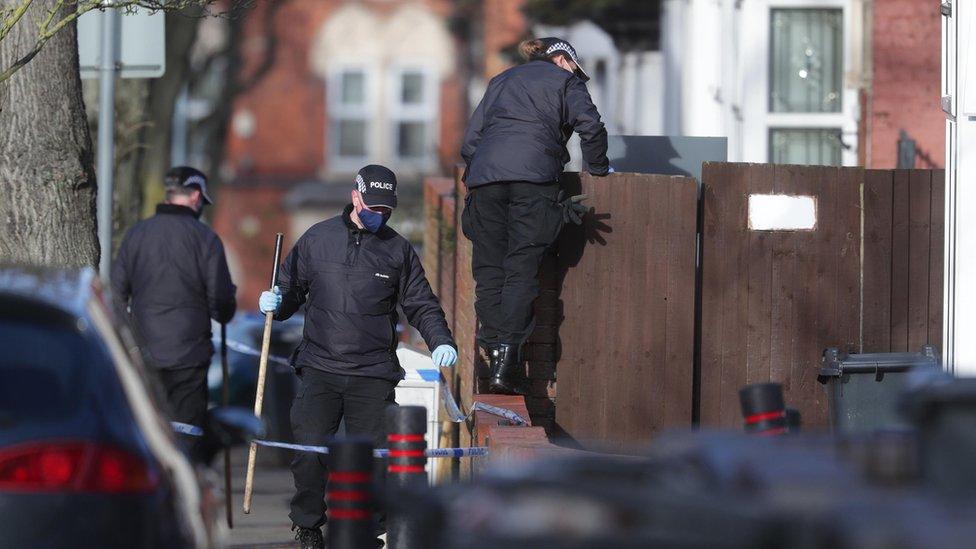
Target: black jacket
[
  {"x": 520, "y": 129},
  {"x": 351, "y": 281},
  {"x": 172, "y": 273}
]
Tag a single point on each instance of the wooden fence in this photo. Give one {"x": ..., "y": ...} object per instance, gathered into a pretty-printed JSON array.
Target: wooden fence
[
  {"x": 773, "y": 300},
  {"x": 619, "y": 331}
]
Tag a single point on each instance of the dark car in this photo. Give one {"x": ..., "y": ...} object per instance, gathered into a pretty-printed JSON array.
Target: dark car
[{"x": 87, "y": 458}]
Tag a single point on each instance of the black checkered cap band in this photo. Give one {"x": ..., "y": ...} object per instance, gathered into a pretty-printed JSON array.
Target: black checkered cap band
[
  {"x": 200, "y": 183},
  {"x": 565, "y": 47}
]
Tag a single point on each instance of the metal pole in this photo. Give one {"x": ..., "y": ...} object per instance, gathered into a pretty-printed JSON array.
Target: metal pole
[{"x": 106, "y": 134}]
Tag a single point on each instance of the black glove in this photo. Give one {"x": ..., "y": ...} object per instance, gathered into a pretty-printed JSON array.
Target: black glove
[{"x": 572, "y": 209}]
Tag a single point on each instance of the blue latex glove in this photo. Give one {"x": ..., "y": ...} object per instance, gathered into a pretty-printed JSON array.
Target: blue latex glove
[
  {"x": 270, "y": 301},
  {"x": 610, "y": 169},
  {"x": 444, "y": 355}
]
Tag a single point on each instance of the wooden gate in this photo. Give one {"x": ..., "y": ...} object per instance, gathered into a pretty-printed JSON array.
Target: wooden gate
[{"x": 772, "y": 300}]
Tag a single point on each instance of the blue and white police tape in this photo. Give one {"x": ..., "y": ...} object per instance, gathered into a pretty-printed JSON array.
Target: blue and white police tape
[
  {"x": 187, "y": 429},
  {"x": 195, "y": 431}
]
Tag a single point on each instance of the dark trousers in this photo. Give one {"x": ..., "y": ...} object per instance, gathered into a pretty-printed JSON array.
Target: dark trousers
[
  {"x": 186, "y": 394},
  {"x": 323, "y": 400},
  {"x": 510, "y": 226}
]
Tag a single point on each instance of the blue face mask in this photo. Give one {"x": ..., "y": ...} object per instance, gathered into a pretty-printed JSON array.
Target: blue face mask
[{"x": 372, "y": 221}]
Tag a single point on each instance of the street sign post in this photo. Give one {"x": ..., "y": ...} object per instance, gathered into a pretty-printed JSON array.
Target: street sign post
[
  {"x": 140, "y": 39},
  {"x": 130, "y": 44}
]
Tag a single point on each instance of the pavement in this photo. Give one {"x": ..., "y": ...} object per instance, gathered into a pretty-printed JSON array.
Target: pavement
[{"x": 267, "y": 526}]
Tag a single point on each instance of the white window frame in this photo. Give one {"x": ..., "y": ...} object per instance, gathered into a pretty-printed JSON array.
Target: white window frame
[
  {"x": 338, "y": 111},
  {"x": 428, "y": 112},
  {"x": 758, "y": 121}
]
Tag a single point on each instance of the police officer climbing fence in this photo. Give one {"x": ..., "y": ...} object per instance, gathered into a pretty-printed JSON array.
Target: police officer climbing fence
[
  {"x": 170, "y": 278},
  {"x": 515, "y": 150},
  {"x": 351, "y": 272}
]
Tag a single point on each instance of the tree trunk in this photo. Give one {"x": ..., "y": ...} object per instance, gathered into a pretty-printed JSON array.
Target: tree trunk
[{"x": 47, "y": 175}]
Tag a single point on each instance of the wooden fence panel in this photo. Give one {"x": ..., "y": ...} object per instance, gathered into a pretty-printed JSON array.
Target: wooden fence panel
[
  {"x": 808, "y": 290},
  {"x": 878, "y": 203},
  {"x": 936, "y": 258},
  {"x": 626, "y": 366},
  {"x": 801, "y": 287}
]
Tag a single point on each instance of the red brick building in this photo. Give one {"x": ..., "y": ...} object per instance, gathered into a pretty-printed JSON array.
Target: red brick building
[
  {"x": 905, "y": 82},
  {"x": 353, "y": 83},
  {"x": 393, "y": 81}
]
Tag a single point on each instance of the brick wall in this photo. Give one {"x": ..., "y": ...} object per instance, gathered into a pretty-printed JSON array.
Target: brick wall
[
  {"x": 504, "y": 25},
  {"x": 906, "y": 82}
]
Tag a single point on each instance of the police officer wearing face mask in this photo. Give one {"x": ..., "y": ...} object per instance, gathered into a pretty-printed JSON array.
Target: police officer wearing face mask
[{"x": 351, "y": 272}]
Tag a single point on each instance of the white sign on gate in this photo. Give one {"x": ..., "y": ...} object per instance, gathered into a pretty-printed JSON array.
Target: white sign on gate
[
  {"x": 781, "y": 212},
  {"x": 141, "y": 43}
]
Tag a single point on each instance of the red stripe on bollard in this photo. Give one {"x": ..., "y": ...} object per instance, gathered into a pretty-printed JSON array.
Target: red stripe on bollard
[
  {"x": 348, "y": 514},
  {"x": 756, "y": 418},
  {"x": 347, "y": 495},
  {"x": 349, "y": 476},
  {"x": 405, "y": 438},
  {"x": 406, "y": 453},
  {"x": 406, "y": 469}
]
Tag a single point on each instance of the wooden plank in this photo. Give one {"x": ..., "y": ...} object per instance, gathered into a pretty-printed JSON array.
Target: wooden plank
[
  {"x": 824, "y": 299},
  {"x": 624, "y": 407},
  {"x": 849, "y": 258},
  {"x": 758, "y": 303},
  {"x": 936, "y": 258},
  {"x": 714, "y": 265},
  {"x": 919, "y": 240},
  {"x": 680, "y": 298},
  {"x": 900, "y": 260},
  {"x": 735, "y": 336},
  {"x": 784, "y": 281},
  {"x": 807, "y": 288},
  {"x": 876, "y": 320},
  {"x": 654, "y": 287}
]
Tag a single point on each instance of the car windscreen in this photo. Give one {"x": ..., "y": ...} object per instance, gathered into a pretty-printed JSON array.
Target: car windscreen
[{"x": 42, "y": 372}]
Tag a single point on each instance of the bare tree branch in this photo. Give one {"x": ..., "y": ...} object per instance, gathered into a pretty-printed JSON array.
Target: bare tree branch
[
  {"x": 11, "y": 17},
  {"x": 46, "y": 30}
]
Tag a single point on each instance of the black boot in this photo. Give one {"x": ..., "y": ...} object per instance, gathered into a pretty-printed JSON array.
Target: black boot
[
  {"x": 310, "y": 538},
  {"x": 507, "y": 373}
]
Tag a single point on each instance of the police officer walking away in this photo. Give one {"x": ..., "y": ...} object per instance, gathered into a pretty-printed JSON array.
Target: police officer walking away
[
  {"x": 171, "y": 274},
  {"x": 351, "y": 272},
  {"x": 515, "y": 150}
]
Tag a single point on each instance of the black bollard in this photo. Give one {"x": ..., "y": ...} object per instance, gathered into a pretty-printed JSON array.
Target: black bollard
[
  {"x": 763, "y": 409},
  {"x": 406, "y": 473},
  {"x": 350, "y": 495}
]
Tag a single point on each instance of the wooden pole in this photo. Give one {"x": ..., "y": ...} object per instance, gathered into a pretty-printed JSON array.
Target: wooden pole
[{"x": 262, "y": 372}]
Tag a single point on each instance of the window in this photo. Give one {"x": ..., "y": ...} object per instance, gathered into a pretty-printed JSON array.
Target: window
[
  {"x": 413, "y": 115},
  {"x": 806, "y": 60},
  {"x": 806, "y": 68},
  {"x": 810, "y": 146},
  {"x": 350, "y": 113}
]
